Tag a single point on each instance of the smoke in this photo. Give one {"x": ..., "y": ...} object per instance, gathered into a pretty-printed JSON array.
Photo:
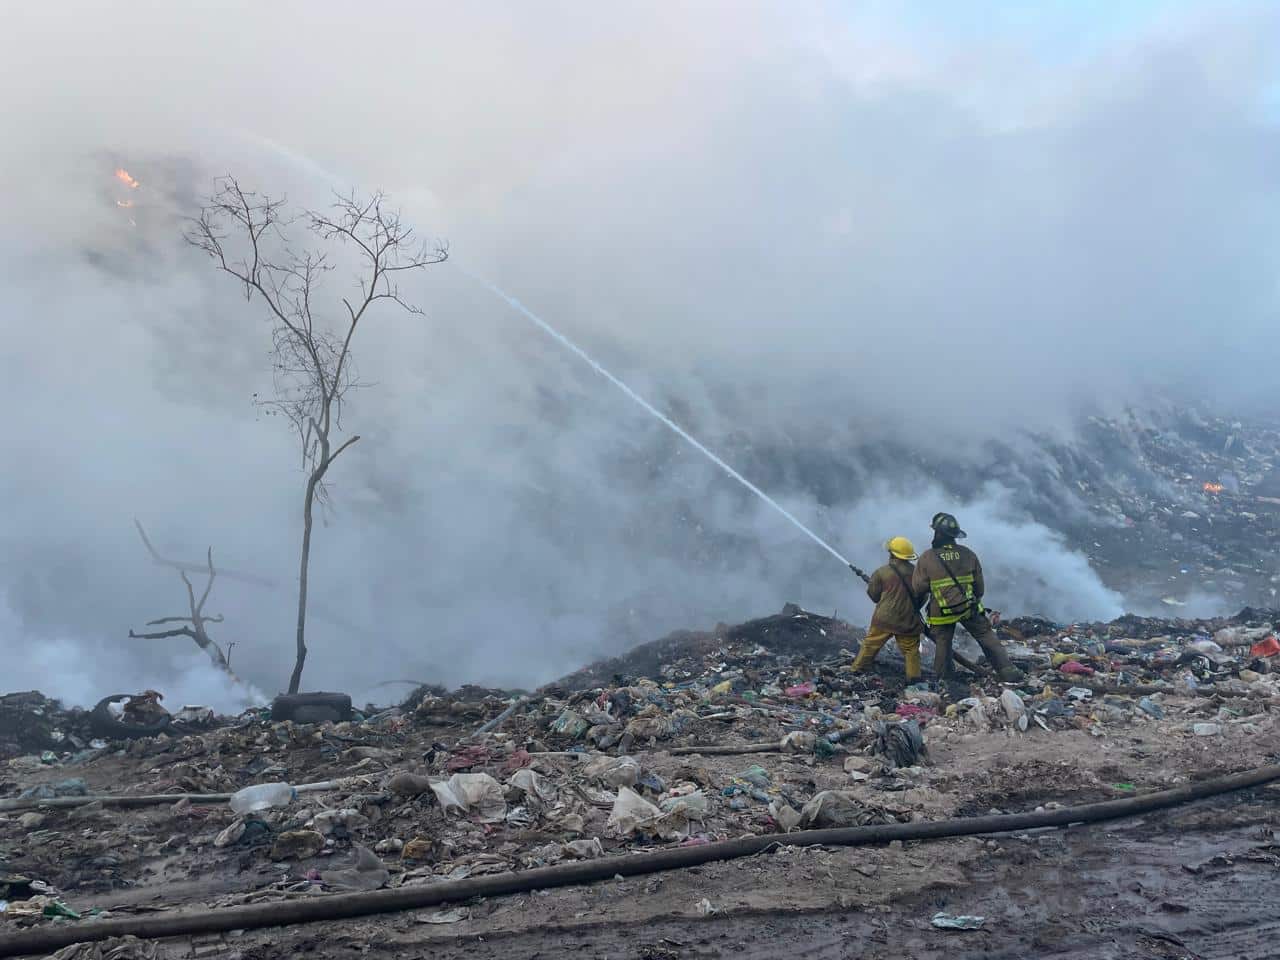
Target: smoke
[{"x": 834, "y": 245}]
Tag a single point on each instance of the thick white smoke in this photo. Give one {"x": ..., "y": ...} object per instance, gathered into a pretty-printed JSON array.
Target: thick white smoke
[{"x": 820, "y": 240}]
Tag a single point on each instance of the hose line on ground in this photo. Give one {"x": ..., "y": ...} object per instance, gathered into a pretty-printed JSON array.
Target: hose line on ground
[{"x": 340, "y": 906}]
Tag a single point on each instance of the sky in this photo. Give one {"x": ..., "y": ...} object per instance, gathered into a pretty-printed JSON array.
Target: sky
[{"x": 800, "y": 231}]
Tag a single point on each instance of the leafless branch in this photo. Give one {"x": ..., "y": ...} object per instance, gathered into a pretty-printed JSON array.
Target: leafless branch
[
  {"x": 162, "y": 634},
  {"x": 156, "y": 623},
  {"x": 196, "y": 618}
]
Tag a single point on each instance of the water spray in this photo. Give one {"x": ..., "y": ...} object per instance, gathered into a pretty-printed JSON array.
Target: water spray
[{"x": 667, "y": 421}]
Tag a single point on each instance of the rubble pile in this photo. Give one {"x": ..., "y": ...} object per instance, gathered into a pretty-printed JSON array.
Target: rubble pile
[
  {"x": 747, "y": 730},
  {"x": 33, "y": 724},
  {"x": 1173, "y": 507}
]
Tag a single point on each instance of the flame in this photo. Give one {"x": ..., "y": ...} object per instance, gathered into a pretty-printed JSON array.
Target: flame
[
  {"x": 1213, "y": 488},
  {"x": 123, "y": 176}
]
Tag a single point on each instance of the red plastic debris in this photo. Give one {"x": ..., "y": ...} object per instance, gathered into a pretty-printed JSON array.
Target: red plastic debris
[
  {"x": 909, "y": 710},
  {"x": 468, "y": 757},
  {"x": 1074, "y": 666},
  {"x": 521, "y": 758},
  {"x": 1266, "y": 647},
  {"x": 805, "y": 689}
]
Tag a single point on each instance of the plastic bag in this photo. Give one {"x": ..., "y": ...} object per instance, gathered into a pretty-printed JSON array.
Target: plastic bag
[
  {"x": 832, "y": 809},
  {"x": 476, "y": 793},
  {"x": 1014, "y": 709},
  {"x": 532, "y": 785},
  {"x": 632, "y": 813},
  {"x": 614, "y": 771}
]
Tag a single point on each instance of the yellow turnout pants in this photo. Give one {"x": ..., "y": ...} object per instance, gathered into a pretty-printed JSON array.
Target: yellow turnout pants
[{"x": 876, "y": 639}]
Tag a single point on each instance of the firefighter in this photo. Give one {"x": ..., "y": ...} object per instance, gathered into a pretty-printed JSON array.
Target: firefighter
[
  {"x": 951, "y": 577},
  {"x": 897, "y": 612}
]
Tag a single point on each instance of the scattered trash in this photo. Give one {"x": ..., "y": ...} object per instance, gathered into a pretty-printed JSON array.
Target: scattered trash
[
  {"x": 472, "y": 793},
  {"x": 297, "y": 845},
  {"x": 946, "y": 921},
  {"x": 263, "y": 796},
  {"x": 902, "y": 743},
  {"x": 1151, "y": 708},
  {"x": 454, "y": 915}
]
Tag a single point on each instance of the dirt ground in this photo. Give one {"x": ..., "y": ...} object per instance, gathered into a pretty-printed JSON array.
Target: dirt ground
[{"x": 1193, "y": 882}]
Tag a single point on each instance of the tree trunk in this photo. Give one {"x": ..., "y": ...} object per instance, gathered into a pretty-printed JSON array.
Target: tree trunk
[
  {"x": 296, "y": 679},
  {"x": 214, "y": 652}
]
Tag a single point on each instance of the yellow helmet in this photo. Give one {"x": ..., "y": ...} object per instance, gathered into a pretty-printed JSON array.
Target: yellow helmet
[{"x": 901, "y": 547}]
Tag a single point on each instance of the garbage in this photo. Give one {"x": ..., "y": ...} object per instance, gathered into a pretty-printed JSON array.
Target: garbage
[
  {"x": 584, "y": 849},
  {"x": 570, "y": 725},
  {"x": 452, "y": 915},
  {"x": 326, "y": 822},
  {"x": 472, "y": 793},
  {"x": 1151, "y": 708},
  {"x": 367, "y": 872},
  {"x": 532, "y": 786},
  {"x": 946, "y": 921},
  {"x": 1014, "y": 709},
  {"x": 263, "y": 796},
  {"x": 831, "y": 808},
  {"x": 902, "y": 743},
  {"x": 631, "y": 812},
  {"x": 614, "y": 771},
  {"x": 574, "y": 775},
  {"x": 1076, "y": 668},
  {"x": 407, "y": 784},
  {"x": 230, "y": 835},
  {"x": 64, "y": 788},
  {"x": 194, "y": 716},
  {"x": 800, "y": 741},
  {"x": 113, "y": 948},
  {"x": 297, "y": 845},
  {"x": 1268, "y": 647}
]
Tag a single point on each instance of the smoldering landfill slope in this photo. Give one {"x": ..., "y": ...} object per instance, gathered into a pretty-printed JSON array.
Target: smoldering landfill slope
[{"x": 761, "y": 247}]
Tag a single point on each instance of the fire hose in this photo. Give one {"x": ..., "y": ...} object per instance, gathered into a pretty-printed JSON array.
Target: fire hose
[{"x": 341, "y": 906}]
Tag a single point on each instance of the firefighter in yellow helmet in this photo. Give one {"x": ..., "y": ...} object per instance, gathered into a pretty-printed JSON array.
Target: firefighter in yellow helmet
[
  {"x": 897, "y": 612},
  {"x": 950, "y": 575}
]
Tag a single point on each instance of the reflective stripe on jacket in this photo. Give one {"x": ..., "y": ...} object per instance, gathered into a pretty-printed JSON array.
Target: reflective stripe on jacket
[{"x": 951, "y": 575}]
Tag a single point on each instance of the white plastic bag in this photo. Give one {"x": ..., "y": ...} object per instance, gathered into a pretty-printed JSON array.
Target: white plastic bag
[
  {"x": 632, "y": 812},
  {"x": 476, "y": 793}
]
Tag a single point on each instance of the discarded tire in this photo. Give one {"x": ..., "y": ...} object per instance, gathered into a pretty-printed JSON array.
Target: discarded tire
[
  {"x": 104, "y": 723},
  {"x": 311, "y": 707}
]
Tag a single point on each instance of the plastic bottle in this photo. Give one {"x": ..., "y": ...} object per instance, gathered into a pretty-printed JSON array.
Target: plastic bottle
[{"x": 262, "y": 796}]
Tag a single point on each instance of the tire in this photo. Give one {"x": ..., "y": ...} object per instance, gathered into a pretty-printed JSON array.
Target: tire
[
  {"x": 311, "y": 708},
  {"x": 104, "y": 724}
]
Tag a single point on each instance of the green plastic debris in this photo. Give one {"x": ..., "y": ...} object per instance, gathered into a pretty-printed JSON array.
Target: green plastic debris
[
  {"x": 1127, "y": 787},
  {"x": 60, "y": 909}
]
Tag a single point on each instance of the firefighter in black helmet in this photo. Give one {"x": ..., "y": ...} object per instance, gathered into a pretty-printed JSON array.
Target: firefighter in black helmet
[{"x": 951, "y": 576}]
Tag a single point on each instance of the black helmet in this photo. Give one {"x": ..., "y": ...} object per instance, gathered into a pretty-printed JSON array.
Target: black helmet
[{"x": 947, "y": 525}]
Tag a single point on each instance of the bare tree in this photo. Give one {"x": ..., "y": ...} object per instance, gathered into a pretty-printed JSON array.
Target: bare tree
[
  {"x": 248, "y": 236},
  {"x": 197, "y": 619}
]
